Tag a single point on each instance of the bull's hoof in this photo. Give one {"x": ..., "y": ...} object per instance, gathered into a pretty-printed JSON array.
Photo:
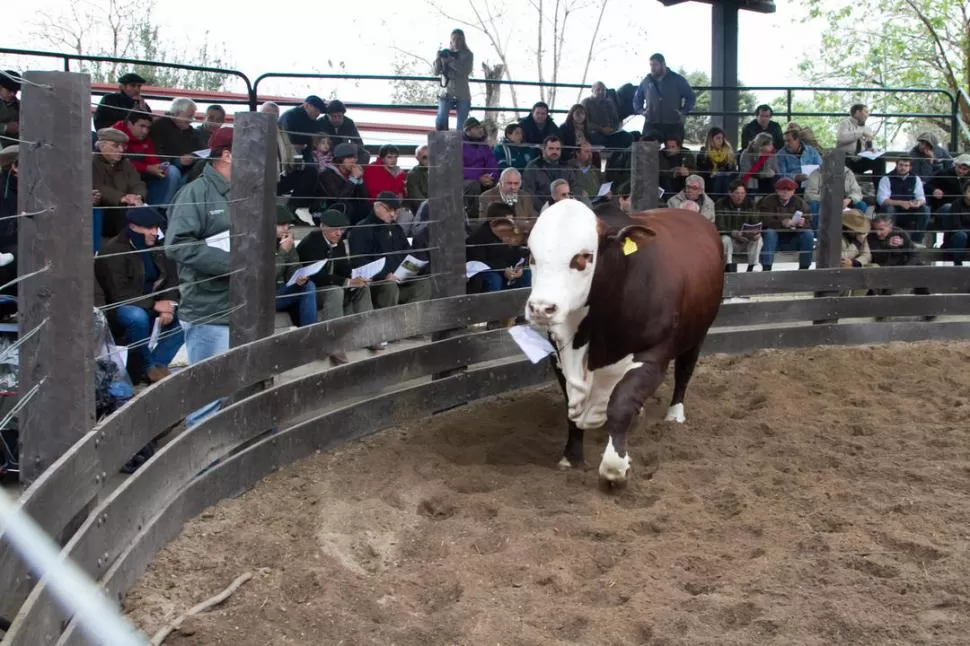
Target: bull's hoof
[
  {"x": 611, "y": 482},
  {"x": 565, "y": 464},
  {"x": 675, "y": 414},
  {"x": 614, "y": 469}
]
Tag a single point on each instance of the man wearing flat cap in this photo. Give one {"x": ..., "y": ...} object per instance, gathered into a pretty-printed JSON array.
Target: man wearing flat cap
[
  {"x": 200, "y": 212},
  {"x": 116, "y": 106},
  {"x": 337, "y": 293},
  {"x": 116, "y": 184},
  {"x": 133, "y": 269},
  {"x": 9, "y": 108}
]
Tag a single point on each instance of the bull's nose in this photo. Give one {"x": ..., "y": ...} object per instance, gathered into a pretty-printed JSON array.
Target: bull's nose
[{"x": 542, "y": 309}]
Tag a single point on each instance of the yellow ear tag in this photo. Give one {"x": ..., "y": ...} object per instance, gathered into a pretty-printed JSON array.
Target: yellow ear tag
[{"x": 629, "y": 246}]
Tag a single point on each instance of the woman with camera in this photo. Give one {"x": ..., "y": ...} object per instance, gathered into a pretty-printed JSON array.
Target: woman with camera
[{"x": 454, "y": 66}]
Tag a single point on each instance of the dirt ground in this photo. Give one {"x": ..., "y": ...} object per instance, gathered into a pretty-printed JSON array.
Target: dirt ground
[{"x": 813, "y": 497}]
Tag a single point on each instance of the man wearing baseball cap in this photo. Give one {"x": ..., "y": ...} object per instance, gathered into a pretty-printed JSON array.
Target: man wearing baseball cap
[
  {"x": 200, "y": 212},
  {"x": 9, "y": 108},
  {"x": 300, "y": 123},
  {"x": 115, "y": 107}
]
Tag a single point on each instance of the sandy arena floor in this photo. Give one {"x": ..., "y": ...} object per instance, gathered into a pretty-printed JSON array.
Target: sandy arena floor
[{"x": 813, "y": 497}]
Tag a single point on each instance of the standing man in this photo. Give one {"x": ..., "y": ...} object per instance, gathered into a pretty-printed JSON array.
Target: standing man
[
  {"x": 118, "y": 105},
  {"x": 664, "y": 98},
  {"x": 200, "y": 211}
]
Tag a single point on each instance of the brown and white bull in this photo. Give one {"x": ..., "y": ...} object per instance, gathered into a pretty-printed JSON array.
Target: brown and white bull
[{"x": 620, "y": 297}]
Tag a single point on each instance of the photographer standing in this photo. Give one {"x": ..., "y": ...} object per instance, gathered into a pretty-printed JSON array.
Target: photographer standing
[{"x": 454, "y": 66}]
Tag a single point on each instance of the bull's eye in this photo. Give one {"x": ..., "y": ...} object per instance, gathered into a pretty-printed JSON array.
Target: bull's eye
[{"x": 581, "y": 260}]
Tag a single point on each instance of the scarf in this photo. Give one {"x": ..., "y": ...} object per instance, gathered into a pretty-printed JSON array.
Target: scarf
[
  {"x": 722, "y": 157},
  {"x": 755, "y": 169}
]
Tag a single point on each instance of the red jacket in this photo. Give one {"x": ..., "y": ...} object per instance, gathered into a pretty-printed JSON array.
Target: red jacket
[
  {"x": 378, "y": 178},
  {"x": 141, "y": 153}
]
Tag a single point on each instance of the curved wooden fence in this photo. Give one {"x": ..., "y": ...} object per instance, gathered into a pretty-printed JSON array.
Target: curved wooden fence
[{"x": 278, "y": 425}]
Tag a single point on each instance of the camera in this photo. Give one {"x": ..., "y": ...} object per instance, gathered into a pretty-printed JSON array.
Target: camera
[{"x": 445, "y": 53}]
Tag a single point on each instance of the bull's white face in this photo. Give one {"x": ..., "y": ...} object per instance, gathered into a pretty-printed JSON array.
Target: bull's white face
[{"x": 564, "y": 245}]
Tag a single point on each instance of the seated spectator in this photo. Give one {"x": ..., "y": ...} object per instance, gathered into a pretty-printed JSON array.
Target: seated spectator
[
  {"x": 416, "y": 185},
  {"x": 510, "y": 152},
  {"x": 215, "y": 116},
  {"x": 676, "y": 163},
  {"x": 946, "y": 185},
  {"x": 378, "y": 236},
  {"x": 559, "y": 190},
  {"x": 541, "y": 172},
  {"x": 807, "y": 135},
  {"x": 740, "y": 227},
  {"x": 132, "y": 269},
  {"x": 574, "y": 132},
  {"x": 342, "y": 184},
  {"x": 342, "y": 129},
  {"x": 119, "y": 105},
  {"x": 299, "y": 299},
  {"x": 716, "y": 163},
  {"x": 508, "y": 192},
  {"x": 498, "y": 243},
  {"x": 787, "y": 225},
  {"x": 298, "y": 179},
  {"x": 794, "y": 156},
  {"x": 538, "y": 126},
  {"x": 851, "y": 192},
  {"x": 855, "y": 247},
  {"x": 603, "y": 120},
  {"x": 162, "y": 185},
  {"x": 758, "y": 166},
  {"x": 480, "y": 166},
  {"x": 762, "y": 123},
  {"x": 586, "y": 176},
  {"x": 9, "y": 108},
  {"x": 929, "y": 157},
  {"x": 900, "y": 195},
  {"x": 384, "y": 175},
  {"x": 322, "y": 152},
  {"x": 855, "y": 137},
  {"x": 300, "y": 124},
  {"x": 175, "y": 140},
  {"x": 955, "y": 241},
  {"x": 9, "y": 167},
  {"x": 337, "y": 293},
  {"x": 115, "y": 184},
  {"x": 694, "y": 192}
]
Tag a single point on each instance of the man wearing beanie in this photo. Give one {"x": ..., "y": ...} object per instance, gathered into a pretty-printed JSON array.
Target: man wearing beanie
[
  {"x": 337, "y": 293},
  {"x": 147, "y": 283},
  {"x": 201, "y": 211},
  {"x": 9, "y": 108}
]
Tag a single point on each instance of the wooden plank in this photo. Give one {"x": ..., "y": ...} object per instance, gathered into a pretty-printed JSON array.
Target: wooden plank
[
  {"x": 118, "y": 518},
  {"x": 781, "y": 282},
  {"x": 828, "y": 251},
  {"x": 744, "y": 341},
  {"x": 63, "y": 490},
  {"x": 446, "y": 206},
  {"x": 836, "y": 307},
  {"x": 645, "y": 176},
  {"x": 252, "y": 225},
  {"x": 57, "y": 242},
  {"x": 244, "y": 469}
]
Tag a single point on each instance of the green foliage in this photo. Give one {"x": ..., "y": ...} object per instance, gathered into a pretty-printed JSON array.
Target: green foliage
[
  {"x": 412, "y": 92},
  {"x": 696, "y": 127},
  {"x": 824, "y": 128},
  {"x": 893, "y": 44}
]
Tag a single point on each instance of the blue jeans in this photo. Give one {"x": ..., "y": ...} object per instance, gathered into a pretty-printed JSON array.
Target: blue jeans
[
  {"x": 816, "y": 207},
  {"x": 494, "y": 281},
  {"x": 774, "y": 241},
  {"x": 162, "y": 190},
  {"x": 138, "y": 323},
  {"x": 97, "y": 225},
  {"x": 956, "y": 242},
  {"x": 444, "y": 108},
  {"x": 913, "y": 221},
  {"x": 302, "y": 298},
  {"x": 201, "y": 342}
]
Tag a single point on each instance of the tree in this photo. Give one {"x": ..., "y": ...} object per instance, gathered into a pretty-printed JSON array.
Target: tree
[
  {"x": 894, "y": 44},
  {"x": 506, "y": 24},
  {"x": 824, "y": 128},
  {"x": 125, "y": 29},
  {"x": 696, "y": 127},
  {"x": 404, "y": 92}
]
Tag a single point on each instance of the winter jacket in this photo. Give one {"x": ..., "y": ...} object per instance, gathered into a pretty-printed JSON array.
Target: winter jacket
[
  {"x": 314, "y": 247},
  {"x": 456, "y": 68},
  {"x": 121, "y": 273},
  {"x": 141, "y": 152},
  {"x": 511, "y": 155},
  {"x": 478, "y": 160},
  {"x": 665, "y": 100},
  {"x": 532, "y": 133},
  {"x": 379, "y": 178},
  {"x": 375, "y": 239}
]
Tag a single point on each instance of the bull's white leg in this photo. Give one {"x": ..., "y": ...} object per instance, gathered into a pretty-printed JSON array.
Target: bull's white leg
[
  {"x": 614, "y": 468},
  {"x": 676, "y": 414}
]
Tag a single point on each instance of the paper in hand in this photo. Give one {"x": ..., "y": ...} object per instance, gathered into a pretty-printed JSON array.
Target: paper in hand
[
  {"x": 307, "y": 271},
  {"x": 368, "y": 271},
  {"x": 473, "y": 267}
]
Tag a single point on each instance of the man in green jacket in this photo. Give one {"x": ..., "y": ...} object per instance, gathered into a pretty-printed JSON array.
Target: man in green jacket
[{"x": 197, "y": 240}]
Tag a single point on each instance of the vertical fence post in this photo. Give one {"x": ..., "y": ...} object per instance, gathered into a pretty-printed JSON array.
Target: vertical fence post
[
  {"x": 645, "y": 176},
  {"x": 828, "y": 251},
  {"x": 252, "y": 228},
  {"x": 56, "y": 245}
]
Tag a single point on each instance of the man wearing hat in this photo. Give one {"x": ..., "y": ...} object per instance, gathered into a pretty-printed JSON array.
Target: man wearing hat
[
  {"x": 116, "y": 184},
  {"x": 134, "y": 270},
  {"x": 337, "y": 293},
  {"x": 787, "y": 223},
  {"x": 342, "y": 129},
  {"x": 379, "y": 236},
  {"x": 300, "y": 123},
  {"x": 342, "y": 184},
  {"x": 298, "y": 299},
  {"x": 201, "y": 211},
  {"x": 115, "y": 107},
  {"x": 9, "y": 108}
]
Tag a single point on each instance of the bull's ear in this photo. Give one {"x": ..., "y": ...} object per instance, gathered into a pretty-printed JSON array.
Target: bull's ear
[
  {"x": 601, "y": 228},
  {"x": 634, "y": 237}
]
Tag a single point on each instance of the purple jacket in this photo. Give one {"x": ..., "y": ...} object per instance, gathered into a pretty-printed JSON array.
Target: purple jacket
[{"x": 478, "y": 159}]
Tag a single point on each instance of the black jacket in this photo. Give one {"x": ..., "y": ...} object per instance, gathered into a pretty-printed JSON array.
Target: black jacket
[
  {"x": 886, "y": 256},
  {"x": 752, "y": 129},
  {"x": 113, "y": 108},
  {"x": 341, "y": 193},
  {"x": 533, "y": 134},
  {"x": 314, "y": 247},
  {"x": 484, "y": 246},
  {"x": 298, "y": 126},
  {"x": 947, "y": 181},
  {"x": 373, "y": 238}
]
